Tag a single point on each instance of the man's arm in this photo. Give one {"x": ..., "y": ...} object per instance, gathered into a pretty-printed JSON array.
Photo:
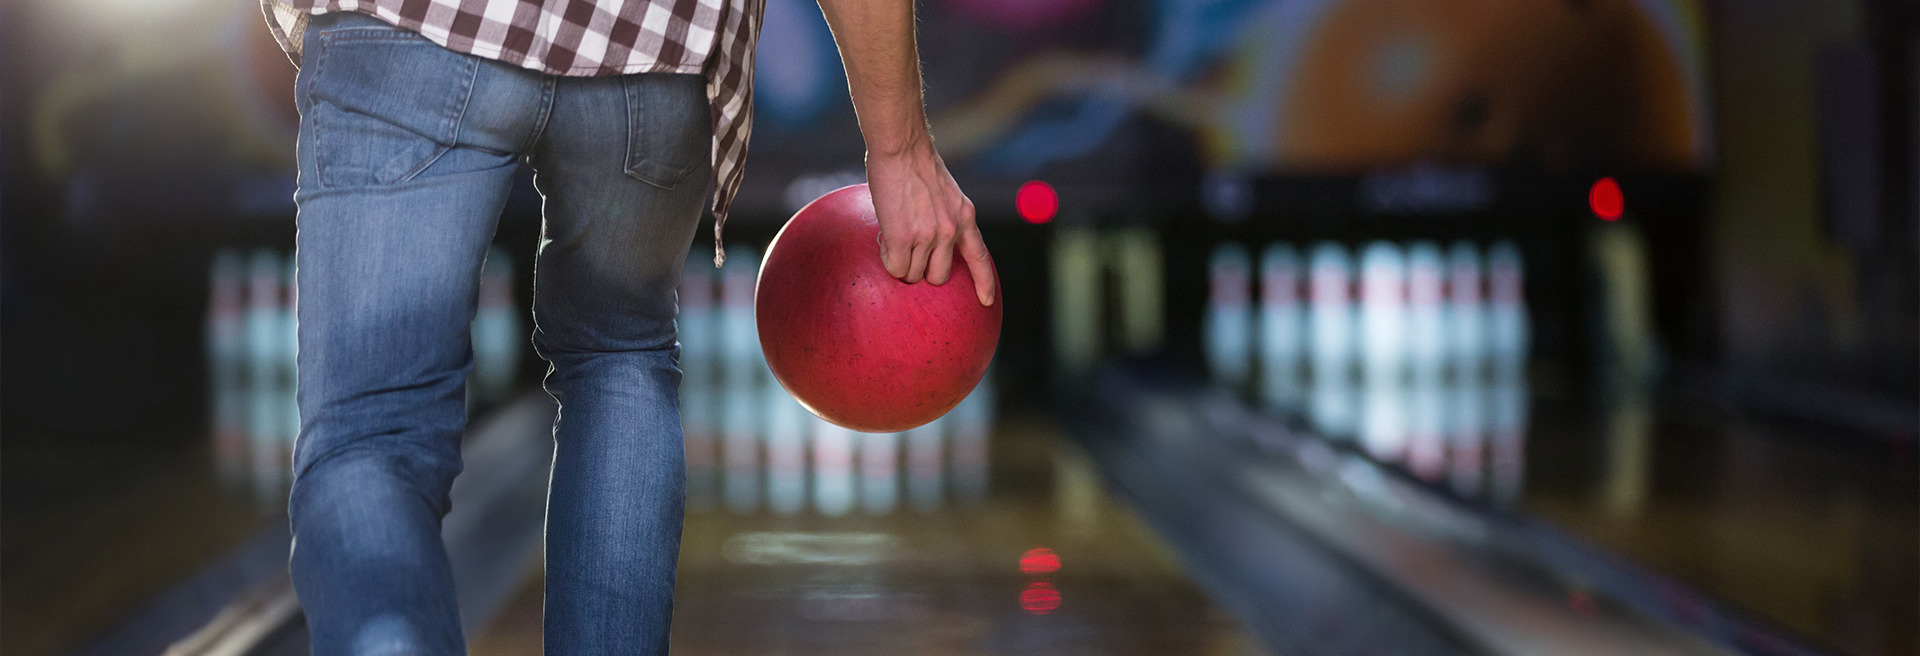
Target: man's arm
[{"x": 923, "y": 215}]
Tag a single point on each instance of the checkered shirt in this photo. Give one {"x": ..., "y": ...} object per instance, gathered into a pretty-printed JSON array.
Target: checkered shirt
[{"x": 714, "y": 38}]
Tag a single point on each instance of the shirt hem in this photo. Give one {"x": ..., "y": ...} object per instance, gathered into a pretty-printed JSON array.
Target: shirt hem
[{"x": 695, "y": 68}]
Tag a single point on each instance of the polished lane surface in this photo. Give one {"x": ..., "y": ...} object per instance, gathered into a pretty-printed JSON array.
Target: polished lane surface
[{"x": 1045, "y": 563}]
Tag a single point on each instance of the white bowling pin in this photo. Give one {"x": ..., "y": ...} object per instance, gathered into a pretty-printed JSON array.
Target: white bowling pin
[
  {"x": 1427, "y": 428},
  {"x": 1383, "y": 420},
  {"x": 1465, "y": 312},
  {"x": 1383, "y": 330},
  {"x": 740, "y": 354},
  {"x": 1509, "y": 336},
  {"x": 1466, "y": 353},
  {"x": 1229, "y": 318},
  {"x": 1282, "y": 335},
  {"x": 226, "y": 366},
  {"x": 786, "y": 450},
  {"x": 833, "y": 487},
  {"x": 1511, "y": 342},
  {"x": 699, "y": 400},
  {"x": 1426, "y": 341},
  {"x": 264, "y": 342},
  {"x": 926, "y": 464},
  {"x": 1467, "y": 412},
  {"x": 1383, "y": 313},
  {"x": 1426, "y": 360},
  {"x": 1507, "y": 439},
  {"x": 741, "y": 395},
  {"x": 1331, "y": 345}
]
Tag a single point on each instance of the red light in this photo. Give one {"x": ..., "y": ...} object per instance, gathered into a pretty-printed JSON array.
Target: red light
[
  {"x": 1582, "y": 604},
  {"x": 1036, "y": 202},
  {"x": 1605, "y": 199},
  {"x": 1040, "y": 598},
  {"x": 1039, "y": 560}
]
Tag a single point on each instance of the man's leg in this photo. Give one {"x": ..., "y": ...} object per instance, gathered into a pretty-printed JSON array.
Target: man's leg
[
  {"x": 623, "y": 166},
  {"x": 406, "y": 156}
]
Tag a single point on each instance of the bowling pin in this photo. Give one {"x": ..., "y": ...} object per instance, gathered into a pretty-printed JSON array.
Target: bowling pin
[
  {"x": 1426, "y": 358},
  {"x": 1467, "y": 438},
  {"x": 1426, "y": 428},
  {"x": 1383, "y": 313},
  {"x": 1466, "y": 339},
  {"x": 1465, "y": 312},
  {"x": 1507, "y": 439},
  {"x": 972, "y": 426},
  {"x": 497, "y": 335},
  {"x": 741, "y": 392},
  {"x": 1331, "y": 343},
  {"x": 1383, "y": 420},
  {"x": 926, "y": 464},
  {"x": 1281, "y": 332},
  {"x": 1077, "y": 303},
  {"x": 226, "y": 367},
  {"x": 1426, "y": 340},
  {"x": 1510, "y": 344},
  {"x": 833, "y": 486},
  {"x": 263, "y": 345},
  {"x": 879, "y": 472},
  {"x": 1383, "y": 330},
  {"x": 1229, "y": 318},
  {"x": 1509, "y": 336},
  {"x": 786, "y": 450},
  {"x": 699, "y": 379},
  {"x": 1134, "y": 259}
]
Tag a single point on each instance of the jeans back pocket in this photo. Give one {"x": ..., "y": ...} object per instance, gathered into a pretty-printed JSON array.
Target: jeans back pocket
[
  {"x": 386, "y": 103},
  {"x": 669, "y": 127}
]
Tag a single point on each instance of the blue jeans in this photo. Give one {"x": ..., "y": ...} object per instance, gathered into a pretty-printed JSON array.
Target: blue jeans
[{"x": 406, "y": 153}]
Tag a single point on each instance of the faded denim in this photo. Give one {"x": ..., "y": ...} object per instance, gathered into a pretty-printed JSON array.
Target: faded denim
[{"x": 406, "y": 154}]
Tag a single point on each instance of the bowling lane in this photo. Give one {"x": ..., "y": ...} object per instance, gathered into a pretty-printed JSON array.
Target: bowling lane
[
  {"x": 1423, "y": 361},
  {"x": 1809, "y": 527},
  {"x": 1043, "y": 562}
]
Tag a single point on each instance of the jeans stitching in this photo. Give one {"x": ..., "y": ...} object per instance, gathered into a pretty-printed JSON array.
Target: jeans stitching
[
  {"x": 547, "y": 89},
  {"x": 455, "y": 109},
  {"x": 635, "y": 132}
]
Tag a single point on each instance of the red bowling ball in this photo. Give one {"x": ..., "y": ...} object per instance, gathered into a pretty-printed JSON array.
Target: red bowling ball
[{"x": 855, "y": 345}]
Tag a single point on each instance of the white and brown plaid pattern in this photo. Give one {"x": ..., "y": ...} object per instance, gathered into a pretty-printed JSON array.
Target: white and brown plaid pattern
[{"x": 589, "y": 37}]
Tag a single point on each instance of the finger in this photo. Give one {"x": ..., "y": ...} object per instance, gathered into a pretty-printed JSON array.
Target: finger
[
  {"x": 940, "y": 262},
  {"x": 918, "y": 267},
  {"x": 973, "y": 250},
  {"x": 895, "y": 254}
]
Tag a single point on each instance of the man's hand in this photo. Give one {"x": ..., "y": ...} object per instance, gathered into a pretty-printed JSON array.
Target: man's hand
[
  {"x": 923, "y": 216},
  {"x": 925, "y": 219}
]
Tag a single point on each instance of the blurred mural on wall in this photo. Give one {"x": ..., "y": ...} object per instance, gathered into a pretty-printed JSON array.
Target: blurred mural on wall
[
  {"x": 184, "y": 106},
  {"x": 1257, "y": 87}
]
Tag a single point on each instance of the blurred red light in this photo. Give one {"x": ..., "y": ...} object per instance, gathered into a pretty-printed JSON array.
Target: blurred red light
[
  {"x": 1040, "y": 598},
  {"x": 1036, "y": 202},
  {"x": 1039, "y": 560},
  {"x": 1582, "y": 604},
  {"x": 1605, "y": 199}
]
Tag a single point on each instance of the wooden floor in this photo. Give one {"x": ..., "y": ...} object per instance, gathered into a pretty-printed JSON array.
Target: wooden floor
[{"x": 947, "y": 581}]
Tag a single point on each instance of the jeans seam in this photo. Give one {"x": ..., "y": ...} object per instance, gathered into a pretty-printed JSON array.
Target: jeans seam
[
  {"x": 547, "y": 92},
  {"x": 632, "y": 167},
  {"x": 459, "y": 117},
  {"x": 456, "y": 111}
]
